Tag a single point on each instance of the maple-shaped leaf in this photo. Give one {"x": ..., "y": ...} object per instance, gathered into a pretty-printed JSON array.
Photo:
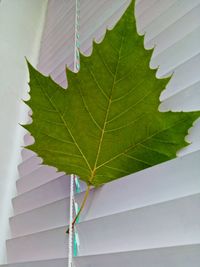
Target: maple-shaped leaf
[{"x": 106, "y": 124}]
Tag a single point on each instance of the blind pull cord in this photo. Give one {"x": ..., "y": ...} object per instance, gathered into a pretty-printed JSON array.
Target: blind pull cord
[{"x": 73, "y": 235}]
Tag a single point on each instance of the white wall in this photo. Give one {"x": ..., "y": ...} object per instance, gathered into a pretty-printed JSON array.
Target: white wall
[{"x": 21, "y": 24}]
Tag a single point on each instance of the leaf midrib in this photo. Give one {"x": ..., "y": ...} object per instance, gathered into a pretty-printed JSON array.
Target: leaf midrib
[{"x": 108, "y": 110}]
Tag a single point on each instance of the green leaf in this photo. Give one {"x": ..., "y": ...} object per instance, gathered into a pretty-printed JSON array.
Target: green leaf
[{"x": 106, "y": 124}]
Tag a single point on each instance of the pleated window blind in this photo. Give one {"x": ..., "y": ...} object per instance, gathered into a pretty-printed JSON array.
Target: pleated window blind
[{"x": 150, "y": 218}]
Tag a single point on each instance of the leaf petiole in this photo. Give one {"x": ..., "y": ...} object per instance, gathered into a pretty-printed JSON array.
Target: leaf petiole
[{"x": 81, "y": 208}]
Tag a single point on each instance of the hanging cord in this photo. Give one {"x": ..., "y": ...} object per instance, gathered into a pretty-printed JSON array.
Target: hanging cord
[
  {"x": 76, "y": 38},
  {"x": 70, "y": 255},
  {"x": 72, "y": 177}
]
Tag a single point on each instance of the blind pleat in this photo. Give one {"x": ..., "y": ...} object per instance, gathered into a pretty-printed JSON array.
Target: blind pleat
[
  {"x": 167, "y": 17},
  {"x": 156, "y": 10},
  {"x": 145, "y": 219},
  {"x": 168, "y": 224},
  {"x": 180, "y": 256},
  {"x": 154, "y": 185}
]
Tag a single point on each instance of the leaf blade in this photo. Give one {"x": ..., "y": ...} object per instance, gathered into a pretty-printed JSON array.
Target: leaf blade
[{"x": 107, "y": 123}]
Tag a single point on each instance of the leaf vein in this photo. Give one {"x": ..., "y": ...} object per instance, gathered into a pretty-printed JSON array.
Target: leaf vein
[
  {"x": 97, "y": 83},
  {"x": 139, "y": 143},
  {"x": 136, "y": 159},
  {"x": 57, "y": 139},
  {"x": 86, "y": 107},
  {"x": 104, "y": 62},
  {"x": 61, "y": 153},
  {"x": 123, "y": 77},
  {"x": 65, "y": 124},
  {"x": 148, "y": 148},
  {"x": 129, "y": 108},
  {"x": 117, "y": 169},
  {"x": 129, "y": 92},
  {"x": 126, "y": 125}
]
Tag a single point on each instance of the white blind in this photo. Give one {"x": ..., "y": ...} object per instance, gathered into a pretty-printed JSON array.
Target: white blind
[{"x": 150, "y": 218}]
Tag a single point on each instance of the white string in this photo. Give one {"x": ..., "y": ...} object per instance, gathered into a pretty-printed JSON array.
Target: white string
[
  {"x": 70, "y": 251},
  {"x": 72, "y": 177},
  {"x": 76, "y": 38}
]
